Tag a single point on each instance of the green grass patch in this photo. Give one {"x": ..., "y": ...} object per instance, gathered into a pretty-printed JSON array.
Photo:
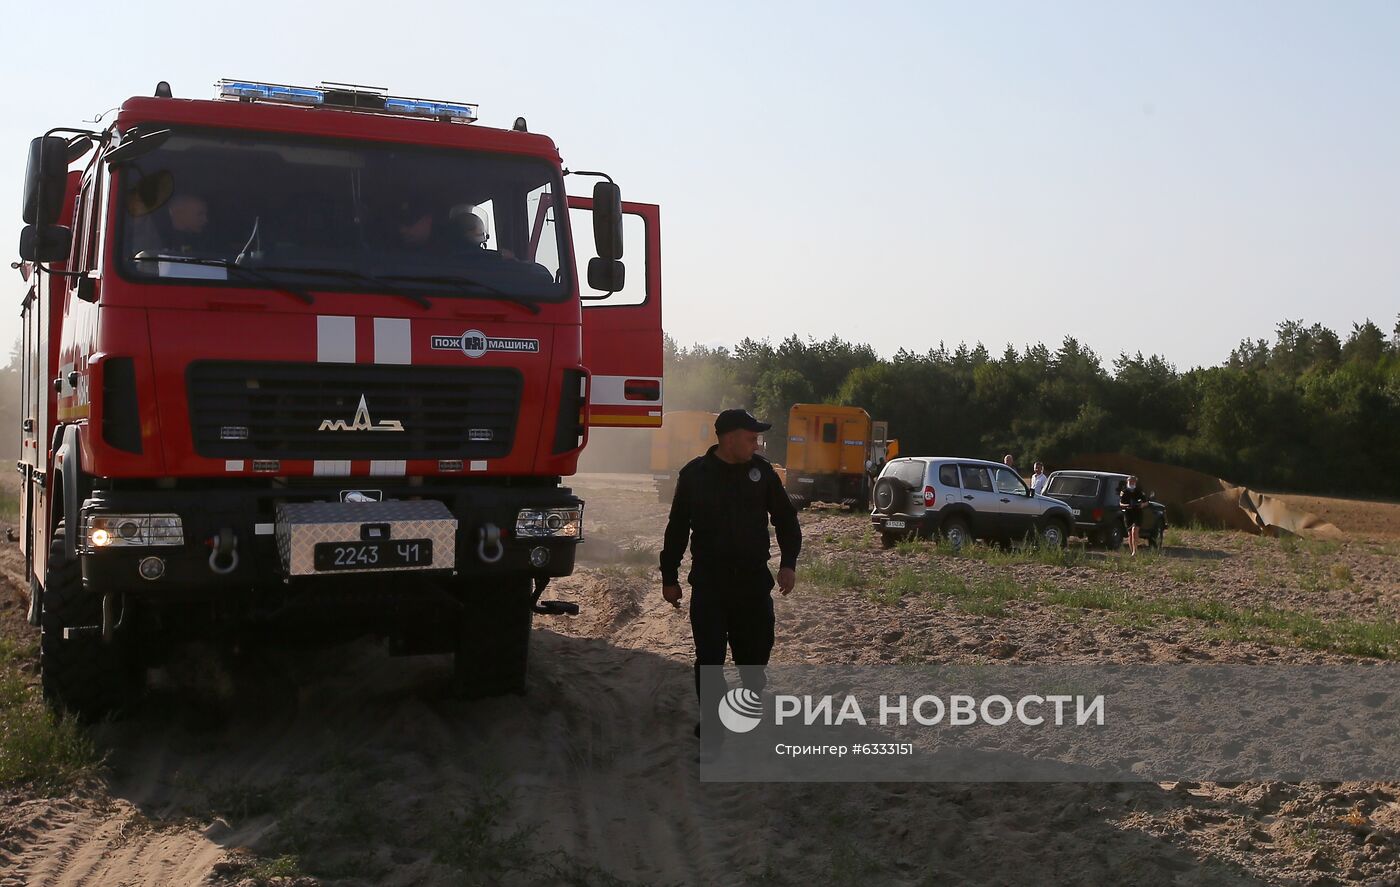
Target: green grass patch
[
  {"x": 853, "y": 541},
  {"x": 978, "y": 597},
  {"x": 1378, "y": 638},
  {"x": 286, "y": 866},
  {"x": 1183, "y": 575},
  {"x": 37, "y": 747},
  {"x": 906, "y": 582},
  {"x": 833, "y": 575},
  {"x": 913, "y": 545},
  {"x": 1015, "y": 554}
]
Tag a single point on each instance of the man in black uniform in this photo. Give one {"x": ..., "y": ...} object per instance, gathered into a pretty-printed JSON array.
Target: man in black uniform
[
  {"x": 722, "y": 506},
  {"x": 1131, "y": 499}
]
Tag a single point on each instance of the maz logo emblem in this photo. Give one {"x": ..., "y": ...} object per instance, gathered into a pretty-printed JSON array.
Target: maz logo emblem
[{"x": 361, "y": 422}]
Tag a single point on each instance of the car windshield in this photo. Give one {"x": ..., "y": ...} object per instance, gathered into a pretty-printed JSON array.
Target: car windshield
[
  {"x": 343, "y": 215},
  {"x": 1069, "y": 485}
]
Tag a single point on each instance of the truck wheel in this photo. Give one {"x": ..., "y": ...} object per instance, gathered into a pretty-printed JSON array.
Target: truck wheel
[
  {"x": 83, "y": 675},
  {"x": 956, "y": 532},
  {"x": 493, "y": 639}
]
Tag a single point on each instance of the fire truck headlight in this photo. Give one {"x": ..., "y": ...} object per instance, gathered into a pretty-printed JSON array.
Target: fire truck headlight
[
  {"x": 133, "y": 530},
  {"x": 550, "y": 522}
]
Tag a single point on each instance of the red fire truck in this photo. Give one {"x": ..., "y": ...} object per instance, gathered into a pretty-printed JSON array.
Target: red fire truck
[{"x": 306, "y": 362}]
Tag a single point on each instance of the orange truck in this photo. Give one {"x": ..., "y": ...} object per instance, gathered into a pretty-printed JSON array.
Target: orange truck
[
  {"x": 833, "y": 454},
  {"x": 683, "y": 435}
]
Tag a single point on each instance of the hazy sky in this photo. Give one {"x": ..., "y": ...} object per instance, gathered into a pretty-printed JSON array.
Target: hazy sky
[{"x": 1167, "y": 177}]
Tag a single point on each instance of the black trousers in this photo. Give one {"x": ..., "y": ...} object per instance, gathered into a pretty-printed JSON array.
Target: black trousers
[{"x": 736, "y": 615}]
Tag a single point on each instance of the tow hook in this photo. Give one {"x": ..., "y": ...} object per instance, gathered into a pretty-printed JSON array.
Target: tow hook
[
  {"x": 111, "y": 625},
  {"x": 489, "y": 538},
  {"x": 223, "y": 554},
  {"x": 550, "y": 608}
]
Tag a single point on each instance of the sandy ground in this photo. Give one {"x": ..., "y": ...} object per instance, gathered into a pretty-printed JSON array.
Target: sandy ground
[{"x": 345, "y": 766}]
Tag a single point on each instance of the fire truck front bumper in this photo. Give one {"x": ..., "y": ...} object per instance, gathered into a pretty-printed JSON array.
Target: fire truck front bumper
[{"x": 197, "y": 544}]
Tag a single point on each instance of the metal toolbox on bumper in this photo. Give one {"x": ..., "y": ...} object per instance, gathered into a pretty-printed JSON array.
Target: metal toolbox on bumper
[{"x": 344, "y": 530}]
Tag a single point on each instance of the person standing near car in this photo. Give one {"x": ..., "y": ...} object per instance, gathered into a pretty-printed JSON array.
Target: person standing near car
[
  {"x": 1132, "y": 501},
  {"x": 723, "y": 503},
  {"x": 1039, "y": 479}
]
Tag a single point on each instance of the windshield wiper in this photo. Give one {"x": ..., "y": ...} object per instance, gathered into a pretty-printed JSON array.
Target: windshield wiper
[
  {"x": 487, "y": 290},
  {"x": 247, "y": 273},
  {"x": 351, "y": 274}
]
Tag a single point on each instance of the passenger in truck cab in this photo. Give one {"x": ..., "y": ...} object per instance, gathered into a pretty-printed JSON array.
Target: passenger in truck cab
[
  {"x": 470, "y": 229},
  {"x": 413, "y": 225}
]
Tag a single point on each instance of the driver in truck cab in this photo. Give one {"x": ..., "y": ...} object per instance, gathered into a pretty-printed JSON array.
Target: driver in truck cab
[{"x": 179, "y": 228}]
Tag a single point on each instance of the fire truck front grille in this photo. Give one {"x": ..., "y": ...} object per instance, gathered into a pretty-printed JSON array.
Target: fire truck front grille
[{"x": 352, "y": 411}]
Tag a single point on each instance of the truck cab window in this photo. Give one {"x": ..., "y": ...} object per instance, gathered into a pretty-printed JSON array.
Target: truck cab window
[{"x": 339, "y": 215}]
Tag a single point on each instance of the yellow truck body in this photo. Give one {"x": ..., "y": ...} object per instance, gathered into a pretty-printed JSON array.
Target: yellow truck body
[
  {"x": 831, "y": 453},
  {"x": 683, "y": 435}
]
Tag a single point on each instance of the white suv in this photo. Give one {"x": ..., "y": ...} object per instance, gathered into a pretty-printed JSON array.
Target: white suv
[{"x": 963, "y": 499}]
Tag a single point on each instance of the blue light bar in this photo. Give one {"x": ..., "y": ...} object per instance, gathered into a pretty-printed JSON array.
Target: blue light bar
[
  {"x": 364, "y": 99},
  {"x": 425, "y": 108},
  {"x": 271, "y": 92}
]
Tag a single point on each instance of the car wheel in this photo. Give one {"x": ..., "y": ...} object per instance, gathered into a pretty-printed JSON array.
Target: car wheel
[
  {"x": 956, "y": 532},
  {"x": 1113, "y": 538},
  {"x": 1054, "y": 535}
]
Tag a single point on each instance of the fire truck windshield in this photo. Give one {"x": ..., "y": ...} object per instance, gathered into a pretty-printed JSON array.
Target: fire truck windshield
[{"x": 339, "y": 215}]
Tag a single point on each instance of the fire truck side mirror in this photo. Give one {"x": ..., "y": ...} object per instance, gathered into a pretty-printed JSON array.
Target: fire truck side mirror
[
  {"x": 607, "y": 221},
  {"x": 606, "y": 276},
  {"x": 45, "y": 179},
  {"x": 45, "y": 243}
]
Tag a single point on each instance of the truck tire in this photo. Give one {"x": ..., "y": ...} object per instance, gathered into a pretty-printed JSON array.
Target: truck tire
[
  {"x": 83, "y": 675},
  {"x": 493, "y": 639},
  {"x": 888, "y": 491}
]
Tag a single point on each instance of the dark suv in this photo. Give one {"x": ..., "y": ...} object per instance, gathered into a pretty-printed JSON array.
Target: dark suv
[
  {"x": 1092, "y": 497},
  {"x": 962, "y": 499}
]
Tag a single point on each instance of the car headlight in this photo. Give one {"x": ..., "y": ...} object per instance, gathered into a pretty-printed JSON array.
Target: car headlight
[
  {"x": 129, "y": 530},
  {"x": 557, "y": 522}
]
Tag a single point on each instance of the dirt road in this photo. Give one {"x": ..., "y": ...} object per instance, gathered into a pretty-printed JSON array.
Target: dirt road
[{"x": 345, "y": 766}]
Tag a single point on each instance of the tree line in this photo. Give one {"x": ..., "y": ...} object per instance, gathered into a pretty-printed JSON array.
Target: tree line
[{"x": 1308, "y": 411}]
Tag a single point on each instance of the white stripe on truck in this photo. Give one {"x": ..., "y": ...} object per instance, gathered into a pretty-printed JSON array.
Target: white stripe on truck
[
  {"x": 393, "y": 342},
  {"x": 335, "y": 339},
  {"x": 610, "y": 391}
]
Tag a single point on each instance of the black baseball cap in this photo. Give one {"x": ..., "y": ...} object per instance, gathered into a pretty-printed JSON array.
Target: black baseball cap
[{"x": 732, "y": 419}]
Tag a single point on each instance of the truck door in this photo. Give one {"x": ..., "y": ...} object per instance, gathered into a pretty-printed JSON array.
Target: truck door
[{"x": 622, "y": 331}]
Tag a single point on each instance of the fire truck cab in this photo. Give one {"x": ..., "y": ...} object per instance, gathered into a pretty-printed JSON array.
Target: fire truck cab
[{"x": 307, "y": 362}]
